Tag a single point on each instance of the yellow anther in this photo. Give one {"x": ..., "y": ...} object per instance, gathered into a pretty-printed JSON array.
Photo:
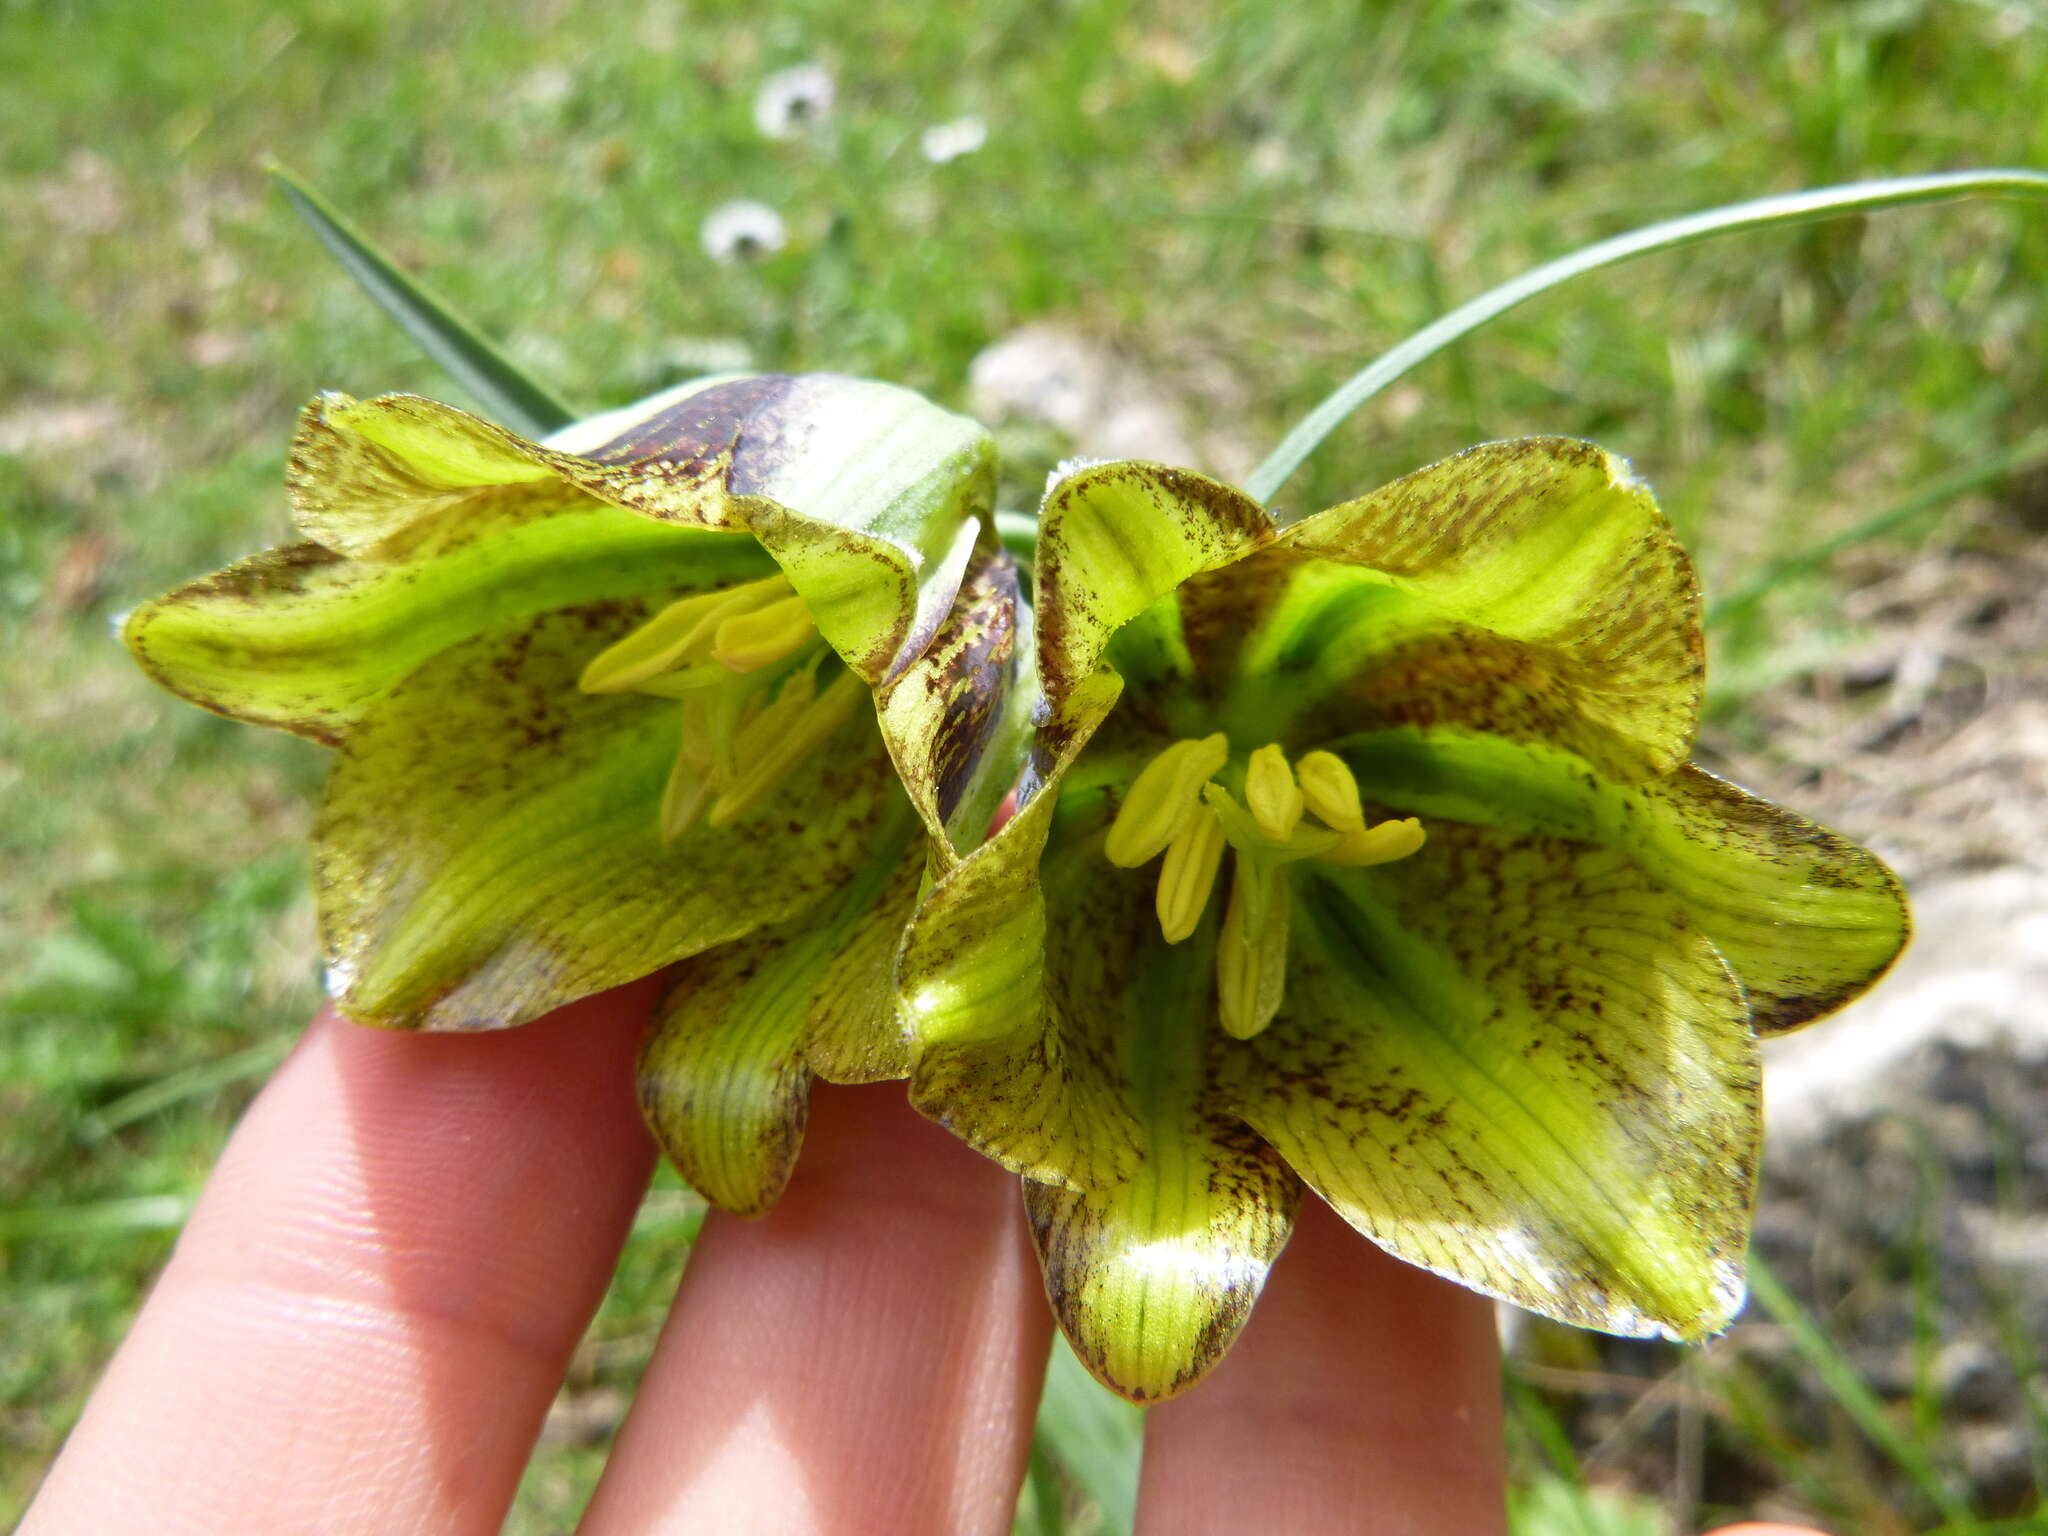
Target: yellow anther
[
  {"x": 1251, "y": 951},
  {"x": 1188, "y": 874},
  {"x": 781, "y": 736},
  {"x": 1162, "y": 799},
  {"x": 749, "y": 641},
  {"x": 653, "y": 648},
  {"x": 1269, "y": 789},
  {"x": 1383, "y": 844},
  {"x": 1175, "y": 807},
  {"x": 750, "y": 712},
  {"x": 1331, "y": 791},
  {"x": 682, "y": 634}
]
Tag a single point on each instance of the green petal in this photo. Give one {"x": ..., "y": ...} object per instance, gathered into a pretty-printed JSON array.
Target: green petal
[
  {"x": 488, "y": 847},
  {"x": 306, "y": 640},
  {"x": 957, "y": 719},
  {"x": 1515, "y": 1061},
  {"x": 1115, "y": 538},
  {"x": 1059, "y": 1034},
  {"x": 866, "y": 493},
  {"x": 1152, "y": 1279},
  {"x": 1530, "y": 587},
  {"x": 725, "y": 1075},
  {"x": 985, "y": 1035},
  {"x": 363, "y": 474},
  {"x": 1807, "y": 919}
]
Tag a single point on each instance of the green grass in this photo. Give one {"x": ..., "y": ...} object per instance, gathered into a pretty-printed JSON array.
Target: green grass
[{"x": 1250, "y": 201}]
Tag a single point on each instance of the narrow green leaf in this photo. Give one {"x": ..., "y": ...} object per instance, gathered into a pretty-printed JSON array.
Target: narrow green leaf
[
  {"x": 139, "y": 1213},
  {"x": 505, "y": 392},
  {"x": 1039, "y": 1501},
  {"x": 2020, "y": 456},
  {"x": 1762, "y": 213},
  {"x": 1854, "y": 1394},
  {"x": 189, "y": 1083},
  {"x": 1095, "y": 1435}
]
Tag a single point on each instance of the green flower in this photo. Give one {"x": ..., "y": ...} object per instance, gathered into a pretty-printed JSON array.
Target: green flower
[
  {"x": 602, "y": 704},
  {"x": 1365, "y": 855}
]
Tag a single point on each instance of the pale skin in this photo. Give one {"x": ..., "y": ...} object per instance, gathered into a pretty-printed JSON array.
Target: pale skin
[{"x": 375, "y": 1302}]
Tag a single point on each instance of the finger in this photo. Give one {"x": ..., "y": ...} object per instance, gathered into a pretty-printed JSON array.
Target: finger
[
  {"x": 1364, "y": 1396},
  {"x": 866, "y": 1357},
  {"x": 1751, "y": 1528},
  {"x": 375, "y": 1300}
]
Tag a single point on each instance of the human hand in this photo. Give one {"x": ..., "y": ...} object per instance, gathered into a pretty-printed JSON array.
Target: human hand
[{"x": 375, "y": 1302}]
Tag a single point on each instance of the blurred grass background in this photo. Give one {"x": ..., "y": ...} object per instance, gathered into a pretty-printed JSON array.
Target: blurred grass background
[{"x": 1246, "y": 201}]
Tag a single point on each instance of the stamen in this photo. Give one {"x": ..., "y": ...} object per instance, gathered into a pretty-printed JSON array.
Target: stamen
[
  {"x": 1269, "y": 789},
  {"x": 1162, "y": 799},
  {"x": 1383, "y": 844},
  {"x": 1175, "y": 807},
  {"x": 684, "y": 681},
  {"x": 688, "y": 630},
  {"x": 1330, "y": 790},
  {"x": 682, "y": 800},
  {"x": 654, "y": 647},
  {"x": 1189, "y": 874},
  {"x": 1244, "y": 833},
  {"x": 1251, "y": 952},
  {"x": 781, "y": 736}
]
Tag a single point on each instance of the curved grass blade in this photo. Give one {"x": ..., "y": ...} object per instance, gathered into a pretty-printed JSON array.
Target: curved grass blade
[
  {"x": 1762, "y": 213},
  {"x": 506, "y": 393}
]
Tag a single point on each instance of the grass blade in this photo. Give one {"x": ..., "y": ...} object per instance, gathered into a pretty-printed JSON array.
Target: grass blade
[
  {"x": 1854, "y": 1396},
  {"x": 201, "y": 1078},
  {"x": 1095, "y": 1436},
  {"x": 2021, "y": 455},
  {"x": 1762, "y": 213},
  {"x": 138, "y": 1213},
  {"x": 515, "y": 400}
]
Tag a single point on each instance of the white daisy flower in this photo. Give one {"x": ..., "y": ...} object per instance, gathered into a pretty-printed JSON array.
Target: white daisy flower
[
  {"x": 791, "y": 100},
  {"x": 949, "y": 141},
  {"x": 742, "y": 230}
]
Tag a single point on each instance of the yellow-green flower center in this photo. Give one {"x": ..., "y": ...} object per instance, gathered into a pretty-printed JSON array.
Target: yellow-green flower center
[
  {"x": 744, "y": 661},
  {"x": 1176, "y": 808}
]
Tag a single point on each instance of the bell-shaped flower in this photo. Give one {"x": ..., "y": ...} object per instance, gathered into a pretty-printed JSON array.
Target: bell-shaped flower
[
  {"x": 602, "y": 704},
  {"x": 1365, "y": 855}
]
